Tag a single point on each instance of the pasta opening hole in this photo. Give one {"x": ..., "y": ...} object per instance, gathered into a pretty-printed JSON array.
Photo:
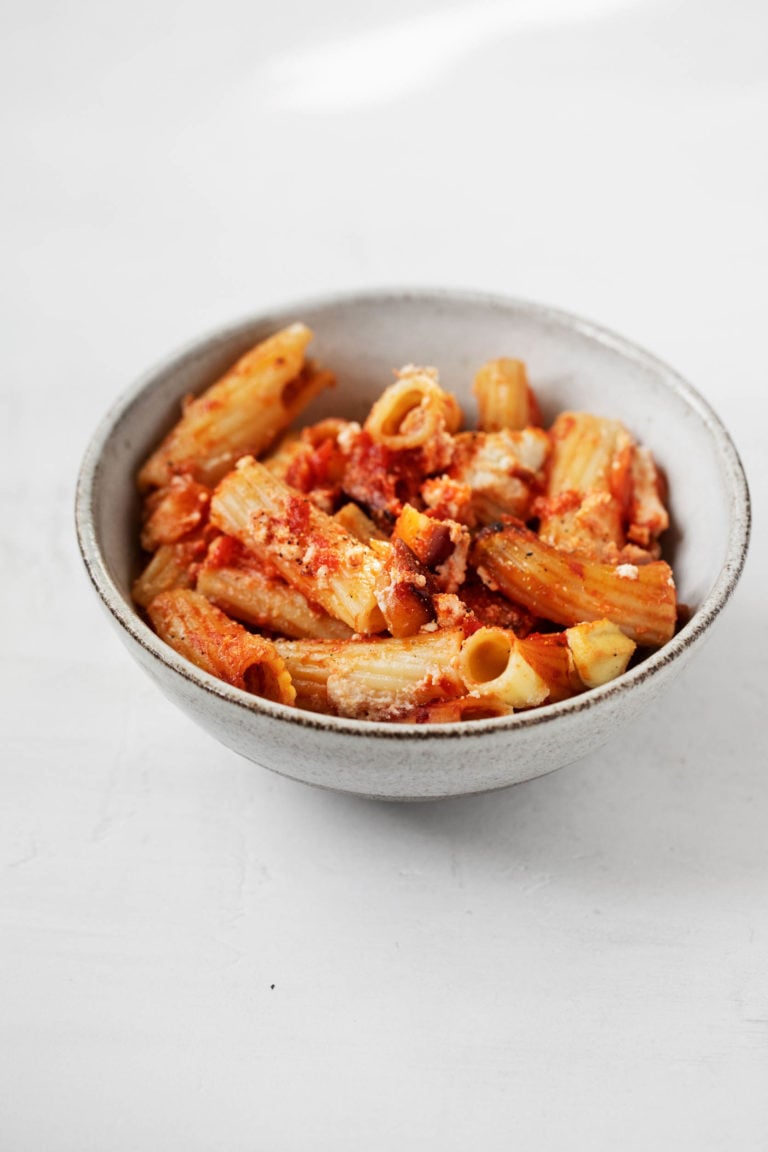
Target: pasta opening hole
[
  {"x": 396, "y": 421},
  {"x": 488, "y": 658},
  {"x": 293, "y": 389},
  {"x": 261, "y": 681}
]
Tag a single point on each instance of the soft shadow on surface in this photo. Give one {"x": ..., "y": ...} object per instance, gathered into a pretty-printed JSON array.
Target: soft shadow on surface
[{"x": 680, "y": 794}]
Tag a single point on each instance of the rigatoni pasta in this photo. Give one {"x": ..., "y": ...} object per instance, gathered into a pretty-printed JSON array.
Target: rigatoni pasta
[
  {"x": 585, "y": 503},
  {"x": 309, "y": 549},
  {"x": 234, "y": 579},
  {"x": 207, "y": 637},
  {"x": 569, "y": 589},
  {"x": 378, "y": 678},
  {"x": 409, "y": 568},
  {"x": 505, "y": 399},
  {"x": 242, "y": 412}
]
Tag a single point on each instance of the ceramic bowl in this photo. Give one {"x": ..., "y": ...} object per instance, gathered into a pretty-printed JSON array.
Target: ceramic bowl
[{"x": 572, "y": 364}]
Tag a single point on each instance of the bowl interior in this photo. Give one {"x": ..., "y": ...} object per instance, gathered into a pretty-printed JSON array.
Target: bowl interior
[{"x": 572, "y": 365}]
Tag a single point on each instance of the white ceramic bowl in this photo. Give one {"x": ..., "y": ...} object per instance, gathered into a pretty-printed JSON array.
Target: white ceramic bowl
[{"x": 572, "y": 364}]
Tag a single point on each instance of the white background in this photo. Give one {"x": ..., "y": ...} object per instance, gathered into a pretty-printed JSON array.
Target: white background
[{"x": 196, "y": 954}]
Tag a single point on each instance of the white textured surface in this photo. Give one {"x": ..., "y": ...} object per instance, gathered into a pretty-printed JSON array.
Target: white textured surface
[{"x": 581, "y": 962}]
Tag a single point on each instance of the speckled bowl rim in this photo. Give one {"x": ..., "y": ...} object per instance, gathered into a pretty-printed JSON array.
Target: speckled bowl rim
[{"x": 700, "y": 621}]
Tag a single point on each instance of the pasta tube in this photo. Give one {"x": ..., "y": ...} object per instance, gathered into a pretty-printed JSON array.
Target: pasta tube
[
  {"x": 172, "y": 566},
  {"x": 173, "y": 512},
  {"x": 355, "y": 521},
  {"x": 492, "y": 664},
  {"x": 168, "y": 568},
  {"x": 589, "y": 454},
  {"x": 236, "y": 583},
  {"x": 588, "y": 485},
  {"x": 309, "y": 664},
  {"x": 310, "y": 550},
  {"x": 600, "y": 651},
  {"x": 281, "y": 458},
  {"x": 412, "y": 412},
  {"x": 504, "y": 396},
  {"x": 407, "y": 437},
  {"x": 557, "y": 586},
  {"x": 200, "y": 632},
  {"x": 242, "y": 412},
  {"x": 377, "y": 679}
]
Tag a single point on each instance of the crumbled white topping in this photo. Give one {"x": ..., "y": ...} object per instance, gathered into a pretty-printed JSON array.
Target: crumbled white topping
[
  {"x": 627, "y": 571},
  {"x": 532, "y": 448},
  {"x": 486, "y": 578},
  {"x": 451, "y": 496},
  {"x": 450, "y": 610},
  {"x": 451, "y": 574},
  {"x": 347, "y": 436}
]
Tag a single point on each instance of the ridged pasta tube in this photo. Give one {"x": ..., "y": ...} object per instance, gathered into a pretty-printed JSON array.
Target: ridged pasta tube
[
  {"x": 200, "y": 632},
  {"x": 242, "y": 412},
  {"x": 309, "y": 549},
  {"x": 492, "y": 664},
  {"x": 570, "y": 590}
]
